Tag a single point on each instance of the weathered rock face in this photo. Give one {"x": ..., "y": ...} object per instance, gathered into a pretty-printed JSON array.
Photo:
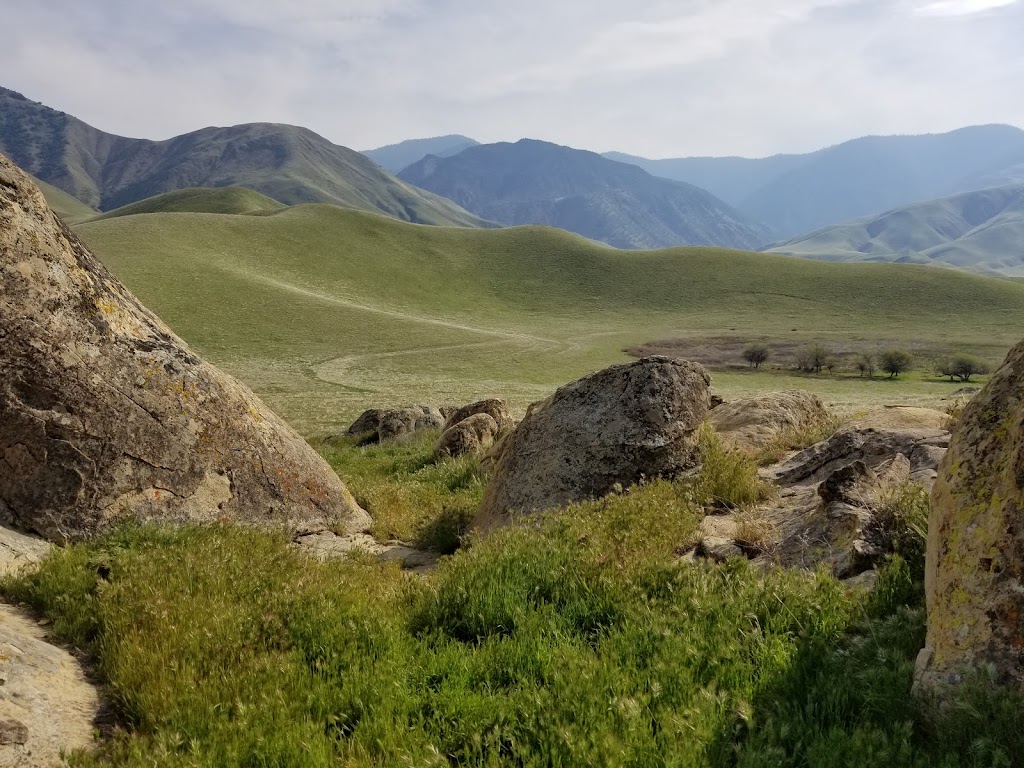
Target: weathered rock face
[
  {"x": 829, "y": 509},
  {"x": 924, "y": 448},
  {"x": 974, "y": 575},
  {"x": 611, "y": 428},
  {"x": 496, "y": 408},
  {"x": 473, "y": 435},
  {"x": 753, "y": 423},
  {"x": 47, "y": 706},
  {"x": 105, "y": 414}
]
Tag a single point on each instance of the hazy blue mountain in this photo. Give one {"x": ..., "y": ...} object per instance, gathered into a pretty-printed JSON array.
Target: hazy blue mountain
[
  {"x": 290, "y": 164},
  {"x": 793, "y": 194},
  {"x": 395, "y": 157},
  {"x": 535, "y": 182},
  {"x": 731, "y": 178},
  {"x": 982, "y": 231}
]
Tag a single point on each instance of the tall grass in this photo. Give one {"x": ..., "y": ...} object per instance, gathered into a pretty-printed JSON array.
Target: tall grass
[{"x": 540, "y": 645}]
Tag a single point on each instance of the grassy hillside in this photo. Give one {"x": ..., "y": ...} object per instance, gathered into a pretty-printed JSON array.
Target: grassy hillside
[
  {"x": 289, "y": 164},
  {"x": 534, "y": 182},
  {"x": 64, "y": 205},
  {"x": 326, "y": 311},
  {"x": 395, "y": 157},
  {"x": 982, "y": 231},
  {"x": 230, "y": 200}
]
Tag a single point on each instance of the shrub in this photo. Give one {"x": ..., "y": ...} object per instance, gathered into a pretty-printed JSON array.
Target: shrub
[
  {"x": 755, "y": 354},
  {"x": 962, "y": 367},
  {"x": 895, "y": 361},
  {"x": 902, "y": 520}
]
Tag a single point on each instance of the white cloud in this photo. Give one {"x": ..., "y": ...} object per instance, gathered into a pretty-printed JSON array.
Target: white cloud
[
  {"x": 961, "y": 7},
  {"x": 656, "y": 77}
]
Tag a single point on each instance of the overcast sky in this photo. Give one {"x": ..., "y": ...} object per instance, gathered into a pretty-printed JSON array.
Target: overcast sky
[{"x": 651, "y": 77}]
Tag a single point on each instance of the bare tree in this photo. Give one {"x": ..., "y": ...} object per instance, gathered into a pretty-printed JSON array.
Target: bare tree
[{"x": 755, "y": 354}]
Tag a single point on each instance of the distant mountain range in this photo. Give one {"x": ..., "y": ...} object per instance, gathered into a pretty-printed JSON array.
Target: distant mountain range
[
  {"x": 535, "y": 182},
  {"x": 794, "y": 194},
  {"x": 982, "y": 231},
  {"x": 289, "y": 164},
  {"x": 396, "y": 157}
]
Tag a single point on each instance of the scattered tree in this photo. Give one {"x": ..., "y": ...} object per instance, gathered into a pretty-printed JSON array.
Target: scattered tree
[
  {"x": 895, "y": 361},
  {"x": 962, "y": 367},
  {"x": 866, "y": 364},
  {"x": 755, "y": 354},
  {"x": 814, "y": 357}
]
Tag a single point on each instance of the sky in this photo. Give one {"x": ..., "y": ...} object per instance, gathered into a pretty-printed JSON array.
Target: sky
[{"x": 659, "y": 78}]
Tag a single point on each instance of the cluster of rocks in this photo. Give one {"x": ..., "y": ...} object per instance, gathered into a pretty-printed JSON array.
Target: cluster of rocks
[{"x": 468, "y": 429}]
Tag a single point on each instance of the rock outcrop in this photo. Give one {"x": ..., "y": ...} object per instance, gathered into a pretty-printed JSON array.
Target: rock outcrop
[
  {"x": 496, "y": 408},
  {"x": 47, "y": 706},
  {"x": 974, "y": 576},
  {"x": 830, "y": 507},
  {"x": 107, "y": 415},
  {"x": 472, "y": 435},
  {"x": 753, "y": 423},
  {"x": 609, "y": 429}
]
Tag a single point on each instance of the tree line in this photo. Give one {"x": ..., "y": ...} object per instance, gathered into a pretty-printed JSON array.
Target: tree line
[{"x": 818, "y": 357}]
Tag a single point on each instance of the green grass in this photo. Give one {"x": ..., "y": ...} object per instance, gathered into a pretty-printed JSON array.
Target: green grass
[
  {"x": 70, "y": 209},
  {"x": 227, "y": 200},
  {"x": 326, "y": 311},
  {"x": 537, "y": 646},
  {"x": 408, "y": 495}
]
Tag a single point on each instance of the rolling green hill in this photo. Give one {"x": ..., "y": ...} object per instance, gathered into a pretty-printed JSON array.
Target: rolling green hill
[
  {"x": 231, "y": 200},
  {"x": 290, "y": 164},
  {"x": 325, "y": 311},
  {"x": 981, "y": 231},
  {"x": 534, "y": 182},
  {"x": 64, "y": 205},
  {"x": 396, "y": 157}
]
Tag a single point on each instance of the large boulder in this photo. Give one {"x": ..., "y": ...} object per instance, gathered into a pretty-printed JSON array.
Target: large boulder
[
  {"x": 473, "y": 435},
  {"x": 974, "y": 576},
  {"x": 753, "y": 423},
  {"x": 105, "y": 414},
  {"x": 496, "y": 408},
  {"x": 609, "y": 429}
]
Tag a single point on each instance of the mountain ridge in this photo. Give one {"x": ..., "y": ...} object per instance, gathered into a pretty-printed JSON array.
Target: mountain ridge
[
  {"x": 287, "y": 163},
  {"x": 981, "y": 231},
  {"x": 537, "y": 182}
]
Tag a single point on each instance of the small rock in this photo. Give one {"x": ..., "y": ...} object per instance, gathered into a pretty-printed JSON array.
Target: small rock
[
  {"x": 473, "y": 435},
  {"x": 496, "y": 408},
  {"x": 718, "y": 549}
]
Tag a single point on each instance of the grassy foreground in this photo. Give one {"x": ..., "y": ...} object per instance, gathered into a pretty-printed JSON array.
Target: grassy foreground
[{"x": 579, "y": 641}]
